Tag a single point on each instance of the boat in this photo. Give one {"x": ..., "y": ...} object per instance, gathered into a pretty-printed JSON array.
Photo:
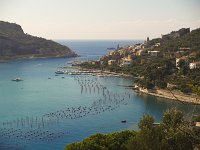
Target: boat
[
  {"x": 59, "y": 72},
  {"x": 110, "y": 48},
  {"x": 17, "y": 79},
  {"x": 123, "y": 121}
]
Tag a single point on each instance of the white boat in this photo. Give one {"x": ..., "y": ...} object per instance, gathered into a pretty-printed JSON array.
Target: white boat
[
  {"x": 17, "y": 79},
  {"x": 60, "y": 72}
]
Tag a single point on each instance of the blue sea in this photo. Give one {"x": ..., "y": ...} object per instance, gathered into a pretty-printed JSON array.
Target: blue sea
[{"x": 46, "y": 112}]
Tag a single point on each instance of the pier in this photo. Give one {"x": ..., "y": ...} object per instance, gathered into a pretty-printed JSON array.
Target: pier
[{"x": 74, "y": 70}]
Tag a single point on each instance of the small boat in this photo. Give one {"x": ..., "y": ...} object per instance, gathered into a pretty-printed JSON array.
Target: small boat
[
  {"x": 110, "y": 48},
  {"x": 59, "y": 72},
  {"x": 123, "y": 121},
  {"x": 17, "y": 79}
]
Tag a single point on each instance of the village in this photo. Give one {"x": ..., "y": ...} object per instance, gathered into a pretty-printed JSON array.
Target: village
[{"x": 125, "y": 56}]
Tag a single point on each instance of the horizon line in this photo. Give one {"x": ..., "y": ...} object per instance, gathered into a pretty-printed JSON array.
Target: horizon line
[{"x": 103, "y": 39}]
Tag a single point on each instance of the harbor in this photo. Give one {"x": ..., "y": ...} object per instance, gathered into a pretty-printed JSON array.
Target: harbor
[{"x": 76, "y": 70}]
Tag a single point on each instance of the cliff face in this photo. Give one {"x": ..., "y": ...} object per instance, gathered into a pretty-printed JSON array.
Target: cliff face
[{"x": 15, "y": 44}]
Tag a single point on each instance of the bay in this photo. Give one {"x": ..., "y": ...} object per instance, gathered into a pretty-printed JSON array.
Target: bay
[{"x": 46, "y": 112}]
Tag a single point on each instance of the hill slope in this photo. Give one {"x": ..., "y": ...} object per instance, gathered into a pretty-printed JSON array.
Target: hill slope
[
  {"x": 15, "y": 44},
  {"x": 191, "y": 40}
]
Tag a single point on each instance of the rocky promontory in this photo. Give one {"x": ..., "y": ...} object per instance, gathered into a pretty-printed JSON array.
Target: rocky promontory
[{"x": 15, "y": 44}]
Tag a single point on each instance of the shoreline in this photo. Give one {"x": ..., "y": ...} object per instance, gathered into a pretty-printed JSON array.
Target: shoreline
[
  {"x": 172, "y": 95},
  {"x": 34, "y": 57},
  {"x": 163, "y": 93},
  {"x": 103, "y": 72}
]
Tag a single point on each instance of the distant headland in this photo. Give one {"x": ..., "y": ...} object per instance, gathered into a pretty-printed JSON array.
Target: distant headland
[{"x": 15, "y": 44}]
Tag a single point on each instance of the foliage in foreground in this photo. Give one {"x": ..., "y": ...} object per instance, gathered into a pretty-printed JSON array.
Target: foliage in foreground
[{"x": 173, "y": 133}]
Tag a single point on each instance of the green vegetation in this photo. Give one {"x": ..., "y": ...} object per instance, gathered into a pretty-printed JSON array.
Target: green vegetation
[
  {"x": 191, "y": 40},
  {"x": 14, "y": 43},
  {"x": 173, "y": 133}
]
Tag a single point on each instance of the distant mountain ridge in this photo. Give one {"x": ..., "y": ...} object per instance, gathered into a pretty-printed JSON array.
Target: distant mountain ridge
[{"x": 15, "y": 44}]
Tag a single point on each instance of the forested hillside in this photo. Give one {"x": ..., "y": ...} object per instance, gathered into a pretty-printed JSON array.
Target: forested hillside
[{"x": 14, "y": 43}]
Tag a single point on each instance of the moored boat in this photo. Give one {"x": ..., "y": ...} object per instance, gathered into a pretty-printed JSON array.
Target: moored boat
[
  {"x": 17, "y": 79},
  {"x": 123, "y": 121},
  {"x": 59, "y": 72}
]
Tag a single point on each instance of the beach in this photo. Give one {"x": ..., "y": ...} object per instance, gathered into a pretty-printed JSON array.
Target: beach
[{"x": 173, "y": 95}]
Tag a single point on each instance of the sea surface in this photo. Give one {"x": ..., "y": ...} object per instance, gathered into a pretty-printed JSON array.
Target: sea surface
[{"x": 46, "y": 112}]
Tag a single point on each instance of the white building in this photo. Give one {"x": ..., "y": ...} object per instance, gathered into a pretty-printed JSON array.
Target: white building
[
  {"x": 194, "y": 65},
  {"x": 157, "y": 44},
  {"x": 111, "y": 62},
  {"x": 153, "y": 53},
  {"x": 126, "y": 61},
  {"x": 184, "y": 58}
]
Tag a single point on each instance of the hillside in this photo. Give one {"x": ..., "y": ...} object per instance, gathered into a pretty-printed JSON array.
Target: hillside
[
  {"x": 191, "y": 40},
  {"x": 15, "y": 44}
]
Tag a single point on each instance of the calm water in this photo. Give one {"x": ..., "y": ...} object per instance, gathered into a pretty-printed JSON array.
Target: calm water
[{"x": 46, "y": 114}]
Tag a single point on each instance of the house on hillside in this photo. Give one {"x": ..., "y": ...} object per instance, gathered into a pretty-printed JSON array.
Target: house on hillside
[
  {"x": 126, "y": 61},
  {"x": 112, "y": 53},
  {"x": 194, "y": 65},
  {"x": 140, "y": 52},
  {"x": 184, "y": 48},
  {"x": 153, "y": 53},
  {"x": 112, "y": 62},
  {"x": 95, "y": 62}
]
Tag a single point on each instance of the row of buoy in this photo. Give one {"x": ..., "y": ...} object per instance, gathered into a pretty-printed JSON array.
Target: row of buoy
[
  {"x": 11, "y": 133},
  {"x": 34, "y": 128}
]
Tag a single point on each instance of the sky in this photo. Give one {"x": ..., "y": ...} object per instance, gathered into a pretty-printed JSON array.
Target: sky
[{"x": 101, "y": 19}]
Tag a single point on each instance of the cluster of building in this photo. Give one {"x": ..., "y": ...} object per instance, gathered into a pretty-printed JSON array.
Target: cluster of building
[{"x": 125, "y": 56}]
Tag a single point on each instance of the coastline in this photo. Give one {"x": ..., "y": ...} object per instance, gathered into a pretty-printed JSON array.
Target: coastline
[
  {"x": 103, "y": 72},
  {"x": 163, "y": 93},
  {"x": 2, "y": 60},
  {"x": 172, "y": 95}
]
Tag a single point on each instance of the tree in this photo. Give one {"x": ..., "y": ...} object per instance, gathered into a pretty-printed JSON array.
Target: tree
[
  {"x": 161, "y": 84},
  {"x": 173, "y": 118},
  {"x": 146, "y": 123},
  {"x": 173, "y": 133}
]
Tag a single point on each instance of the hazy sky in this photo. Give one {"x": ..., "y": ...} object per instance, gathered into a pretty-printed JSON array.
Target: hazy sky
[{"x": 101, "y": 19}]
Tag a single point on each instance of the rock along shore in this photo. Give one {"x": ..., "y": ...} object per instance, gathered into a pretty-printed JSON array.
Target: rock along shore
[{"x": 173, "y": 95}]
